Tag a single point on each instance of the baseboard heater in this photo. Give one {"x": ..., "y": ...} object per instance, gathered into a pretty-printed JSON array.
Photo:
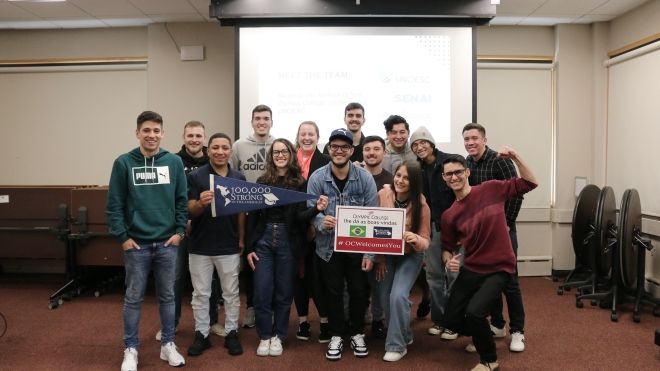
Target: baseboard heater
[{"x": 529, "y": 266}]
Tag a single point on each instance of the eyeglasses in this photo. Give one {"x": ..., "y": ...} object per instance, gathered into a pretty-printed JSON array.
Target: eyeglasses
[
  {"x": 344, "y": 148},
  {"x": 450, "y": 174},
  {"x": 419, "y": 143},
  {"x": 284, "y": 153}
]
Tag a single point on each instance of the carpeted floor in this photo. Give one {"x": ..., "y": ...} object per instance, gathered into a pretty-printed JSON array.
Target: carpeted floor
[{"x": 86, "y": 334}]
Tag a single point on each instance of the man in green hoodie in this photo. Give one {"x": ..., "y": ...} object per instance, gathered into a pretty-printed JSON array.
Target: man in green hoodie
[{"x": 147, "y": 212}]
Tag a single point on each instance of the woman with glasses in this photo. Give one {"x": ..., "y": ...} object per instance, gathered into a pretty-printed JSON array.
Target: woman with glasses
[
  {"x": 400, "y": 272},
  {"x": 275, "y": 239},
  {"x": 308, "y": 281}
]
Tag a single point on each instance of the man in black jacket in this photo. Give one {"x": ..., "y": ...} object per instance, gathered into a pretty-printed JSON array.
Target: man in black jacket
[{"x": 439, "y": 198}]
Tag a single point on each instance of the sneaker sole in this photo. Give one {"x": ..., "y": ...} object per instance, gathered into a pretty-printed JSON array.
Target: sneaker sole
[
  {"x": 449, "y": 337},
  {"x": 333, "y": 358},
  {"x": 360, "y": 355},
  {"x": 170, "y": 363},
  {"x": 275, "y": 354},
  {"x": 265, "y": 354},
  {"x": 324, "y": 341},
  {"x": 303, "y": 337}
]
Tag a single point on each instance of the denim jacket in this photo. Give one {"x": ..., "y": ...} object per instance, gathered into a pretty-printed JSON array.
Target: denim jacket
[{"x": 360, "y": 190}]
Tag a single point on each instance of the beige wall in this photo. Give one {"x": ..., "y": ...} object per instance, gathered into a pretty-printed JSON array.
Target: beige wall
[{"x": 641, "y": 22}]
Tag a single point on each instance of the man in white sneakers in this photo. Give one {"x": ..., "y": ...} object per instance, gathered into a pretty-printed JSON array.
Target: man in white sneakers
[{"x": 147, "y": 212}]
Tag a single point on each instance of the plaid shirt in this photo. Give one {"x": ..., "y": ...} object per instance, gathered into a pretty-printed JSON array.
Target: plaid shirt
[{"x": 489, "y": 167}]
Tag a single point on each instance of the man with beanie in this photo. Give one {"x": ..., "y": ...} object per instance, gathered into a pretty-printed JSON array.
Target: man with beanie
[
  {"x": 439, "y": 198},
  {"x": 344, "y": 184}
]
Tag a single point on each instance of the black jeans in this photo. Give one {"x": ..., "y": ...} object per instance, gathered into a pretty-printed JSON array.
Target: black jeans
[
  {"x": 345, "y": 267},
  {"x": 310, "y": 285},
  {"x": 470, "y": 302},
  {"x": 513, "y": 297}
]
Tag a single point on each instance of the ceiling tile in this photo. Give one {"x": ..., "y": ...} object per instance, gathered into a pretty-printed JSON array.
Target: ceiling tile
[
  {"x": 202, "y": 7},
  {"x": 618, "y": 7},
  {"x": 164, "y": 6},
  {"x": 11, "y": 11},
  {"x": 105, "y": 8},
  {"x": 568, "y": 7},
  {"x": 518, "y": 7},
  {"x": 53, "y": 10},
  {"x": 591, "y": 18}
]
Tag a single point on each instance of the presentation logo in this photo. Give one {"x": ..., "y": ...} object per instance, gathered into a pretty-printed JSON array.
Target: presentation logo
[
  {"x": 383, "y": 232},
  {"x": 358, "y": 231}
]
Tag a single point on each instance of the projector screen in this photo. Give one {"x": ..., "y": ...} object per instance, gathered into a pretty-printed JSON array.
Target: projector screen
[{"x": 311, "y": 73}]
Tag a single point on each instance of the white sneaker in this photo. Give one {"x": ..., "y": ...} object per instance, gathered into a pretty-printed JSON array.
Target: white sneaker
[
  {"x": 449, "y": 335},
  {"x": 169, "y": 353},
  {"x": 275, "y": 347},
  {"x": 498, "y": 332},
  {"x": 470, "y": 348},
  {"x": 435, "y": 330},
  {"x": 359, "y": 346},
  {"x": 517, "y": 342},
  {"x": 249, "y": 320},
  {"x": 130, "y": 360},
  {"x": 335, "y": 347},
  {"x": 219, "y": 330},
  {"x": 394, "y": 356},
  {"x": 159, "y": 335},
  {"x": 264, "y": 348}
]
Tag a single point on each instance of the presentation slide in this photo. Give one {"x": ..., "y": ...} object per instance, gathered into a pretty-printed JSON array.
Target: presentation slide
[{"x": 423, "y": 74}]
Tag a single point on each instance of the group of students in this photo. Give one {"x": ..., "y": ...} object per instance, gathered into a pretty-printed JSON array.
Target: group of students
[{"x": 159, "y": 208}]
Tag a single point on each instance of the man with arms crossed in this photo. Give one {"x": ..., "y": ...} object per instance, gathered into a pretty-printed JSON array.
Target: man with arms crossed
[
  {"x": 344, "y": 184},
  {"x": 485, "y": 165},
  {"x": 146, "y": 210},
  {"x": 477, "y": 223}
]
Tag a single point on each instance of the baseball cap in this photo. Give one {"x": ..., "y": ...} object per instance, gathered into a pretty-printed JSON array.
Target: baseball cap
[{"x": 342, "y": 134}]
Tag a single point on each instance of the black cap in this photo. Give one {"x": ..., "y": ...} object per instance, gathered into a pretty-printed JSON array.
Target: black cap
[{"x": 342, "y": 134}]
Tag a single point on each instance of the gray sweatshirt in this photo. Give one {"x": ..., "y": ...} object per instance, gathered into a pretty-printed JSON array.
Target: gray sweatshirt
[{"x": 249, "y": 156}]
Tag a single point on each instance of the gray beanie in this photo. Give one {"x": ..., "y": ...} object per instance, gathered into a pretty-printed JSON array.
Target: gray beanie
[{"x": 422, "y": 133}]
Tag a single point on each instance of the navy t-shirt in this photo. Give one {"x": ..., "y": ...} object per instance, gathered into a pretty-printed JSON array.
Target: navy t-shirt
[{"x": 211, "y": 236}]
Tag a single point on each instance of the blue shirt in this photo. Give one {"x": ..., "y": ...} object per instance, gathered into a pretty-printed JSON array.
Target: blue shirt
[{"x": 360, "y": 190}]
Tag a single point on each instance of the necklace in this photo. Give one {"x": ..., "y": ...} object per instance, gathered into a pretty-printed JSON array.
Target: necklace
[{"x": 400, "y": 204}]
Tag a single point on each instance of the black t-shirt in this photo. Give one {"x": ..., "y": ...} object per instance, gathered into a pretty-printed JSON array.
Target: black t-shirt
[
  {"x": 385, "y": 177},
  {"x": 211, "y": 236},
  {"x": 340, "y": 183}
]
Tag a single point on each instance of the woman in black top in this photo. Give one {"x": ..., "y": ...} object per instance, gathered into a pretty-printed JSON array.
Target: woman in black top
[{"x": 275, "y": 238}]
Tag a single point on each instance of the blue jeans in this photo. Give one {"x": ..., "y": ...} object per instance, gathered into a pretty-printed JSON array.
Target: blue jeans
[
  {"x": 274, "y": 282},
  {"x": 401, "y": 275},
  {"x": 138, "y": 264},
  {"x": 438, "y": 278}
]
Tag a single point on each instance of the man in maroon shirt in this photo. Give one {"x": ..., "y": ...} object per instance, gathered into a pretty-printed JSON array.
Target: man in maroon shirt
[{"x": 476, "y": 221}]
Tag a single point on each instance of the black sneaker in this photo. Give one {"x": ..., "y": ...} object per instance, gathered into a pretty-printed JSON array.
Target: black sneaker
[
  {"x": 423, "y": 309},
  {"x": 303, "y": 331},
  {"x": 200, "y": 344},
  {"x": 233, "y": 344},
  {"x": 378, "y": 329},
  {"x": 324, "y": 335}
]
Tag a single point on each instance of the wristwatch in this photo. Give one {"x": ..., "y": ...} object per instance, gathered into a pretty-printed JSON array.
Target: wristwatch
[{"x": 181, "y": 235}]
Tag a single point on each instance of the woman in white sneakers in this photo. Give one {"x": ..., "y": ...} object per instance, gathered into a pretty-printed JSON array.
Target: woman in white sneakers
[{"x": 399, "y": 273}]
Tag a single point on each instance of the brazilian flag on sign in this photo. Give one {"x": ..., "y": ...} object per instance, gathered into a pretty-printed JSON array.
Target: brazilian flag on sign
[{"x": 358, "y": 231}]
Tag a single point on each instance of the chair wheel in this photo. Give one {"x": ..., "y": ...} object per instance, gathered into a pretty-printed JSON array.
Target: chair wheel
[
  {"x": 560, "y": 291},
  {"x": 614, "y": 317},
  {"x": 579, "y": 304},
  {"x": 636, "y": 317}
]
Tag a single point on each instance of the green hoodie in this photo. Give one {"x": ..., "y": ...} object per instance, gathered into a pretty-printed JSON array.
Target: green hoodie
[{"x": 147, "y": 197}]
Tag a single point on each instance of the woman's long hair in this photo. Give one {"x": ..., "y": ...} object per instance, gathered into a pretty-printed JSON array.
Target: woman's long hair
[
  {"x": 292, "y": 178},
  {"x": 414, "y": 192}
]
